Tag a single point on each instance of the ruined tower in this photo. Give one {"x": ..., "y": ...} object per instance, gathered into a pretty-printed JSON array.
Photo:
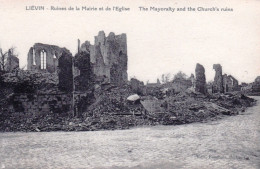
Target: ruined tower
[
  {"x": 200, "y": 82},
  {"x": 218, "y": 80},
  {"x": 108, "y": 56},
  {"x": 12, "y": 62}
]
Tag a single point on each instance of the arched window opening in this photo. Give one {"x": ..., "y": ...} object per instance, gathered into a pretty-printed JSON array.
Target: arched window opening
[
  {"x": 43, "y": 59},
  {"x": 54, "y": 56},
  {"x": 34, "y": 62}
]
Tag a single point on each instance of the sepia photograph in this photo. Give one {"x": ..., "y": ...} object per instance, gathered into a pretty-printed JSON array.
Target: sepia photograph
[{"x": 126, "y": 84}]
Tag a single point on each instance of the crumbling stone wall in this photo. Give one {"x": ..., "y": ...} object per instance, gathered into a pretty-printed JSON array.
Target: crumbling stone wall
[
  {"x": 37, "y": 104},
  {"x": 230, "y": 83},
  {"x": 12, "y": 62},
  {"x": 51, "y": 55},
  {"x": 65, "y": 72},
  {"x": 218, "y": 79},
  {"x": 109, "y": 56},
  {"x": 192, "y": 79},
  {"x": 85, "y": 78},
  {"x": 200, "y": 83}
]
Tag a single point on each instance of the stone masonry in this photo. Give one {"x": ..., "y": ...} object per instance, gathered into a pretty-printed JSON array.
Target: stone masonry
[
  {"x": 12, "y": 62},
  {"x": 44, "y": 57},
  {"x": 36, "y": 104},
  {"x": 108, "y": 56},
  {"x": 230, "y": 83},
  {"x": 200, "y": 83},
  {"x": 218, "y": 79}
]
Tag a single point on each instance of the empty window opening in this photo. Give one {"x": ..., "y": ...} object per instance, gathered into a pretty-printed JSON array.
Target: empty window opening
[
  {"x": 34, "y": 62},
  {"x": 43, "y": 59}
]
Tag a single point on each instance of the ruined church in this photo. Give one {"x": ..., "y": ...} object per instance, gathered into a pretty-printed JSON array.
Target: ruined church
[{"x": 108, "y": 57}]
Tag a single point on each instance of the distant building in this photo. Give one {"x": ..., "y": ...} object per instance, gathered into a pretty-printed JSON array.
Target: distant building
[
  {"x": 179, "y": 84},
  {"x": 157, "y": 84}
]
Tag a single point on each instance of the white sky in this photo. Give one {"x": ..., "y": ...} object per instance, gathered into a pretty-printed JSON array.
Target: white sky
[{"x": 158, "y": 43}]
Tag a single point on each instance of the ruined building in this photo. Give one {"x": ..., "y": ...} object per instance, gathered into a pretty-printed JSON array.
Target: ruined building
[
  {"x": 192, "y": 79},
  {"x": 256, "y": 85},
  {"x": 108, "y": 56},
  {"x": 65, "y": 72},
  {"x": 218, "y": 80},
  {"x": 12, "y": 62},
  {"x": 200, "y": 82},
  {"x": 83, "y": 72},
  {"x": 44, "y": 57},
  {"x": 230, "y": 83}
]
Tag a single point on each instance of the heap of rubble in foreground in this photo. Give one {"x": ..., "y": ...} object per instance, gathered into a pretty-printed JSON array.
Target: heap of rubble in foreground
[{"x": 111, "y": 110}]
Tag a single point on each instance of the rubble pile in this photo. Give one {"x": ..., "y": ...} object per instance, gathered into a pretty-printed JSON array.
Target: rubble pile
[
  {"x": 102, "y": 105},
  {"x": 112, "y": 110},
  {"x": 29, "y": 81},
  {"x": 112, "y": 99},
  {"x": 36, "y": 76}
]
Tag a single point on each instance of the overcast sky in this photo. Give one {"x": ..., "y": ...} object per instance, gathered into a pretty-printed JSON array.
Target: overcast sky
[{"x": 158, "y": 42}]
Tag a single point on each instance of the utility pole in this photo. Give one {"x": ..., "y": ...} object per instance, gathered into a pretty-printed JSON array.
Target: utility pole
[
  {"x": 78, "y": 46},
  {"x": 73, "y": 88},
  {"x": 74, "y": 106}
]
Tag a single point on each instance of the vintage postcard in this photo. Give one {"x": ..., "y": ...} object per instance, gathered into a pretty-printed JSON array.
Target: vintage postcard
[{"x": 130, "y": 84}]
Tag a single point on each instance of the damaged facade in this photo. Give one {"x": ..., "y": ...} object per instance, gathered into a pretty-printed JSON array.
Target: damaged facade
[
  {"x": 223, "y": 83},
  {"x": 108, "y": 56},
  {"x": 12, "y": 62},
  {"x": 44, "y": 57},
  {"x": 218, "y": 79},
  {"x": 230, "y": 83},
  {"x": 83, "y": 72},
  {"x": 200, "y": 82}
]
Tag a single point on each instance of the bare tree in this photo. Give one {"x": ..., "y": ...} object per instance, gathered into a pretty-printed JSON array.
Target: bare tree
[
  {"x": 167, "y": 77},
  {"x": 180, "y": 75},
  {"x": 162, "y": 78},
  {"x": 3, "y": 58}
]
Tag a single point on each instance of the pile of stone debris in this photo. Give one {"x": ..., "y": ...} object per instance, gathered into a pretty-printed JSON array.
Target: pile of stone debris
[
  {"x": 35, "y": 76},
  {"x": 114, "y": 109}
]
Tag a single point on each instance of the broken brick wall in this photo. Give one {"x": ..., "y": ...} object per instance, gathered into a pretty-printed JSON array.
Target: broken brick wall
[{"x": 37, "y": 104}]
